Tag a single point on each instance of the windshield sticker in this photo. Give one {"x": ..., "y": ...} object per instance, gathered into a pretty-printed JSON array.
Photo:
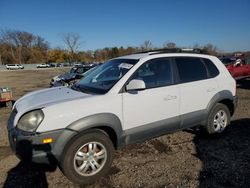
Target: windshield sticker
[{"x": 125, "y": 65}]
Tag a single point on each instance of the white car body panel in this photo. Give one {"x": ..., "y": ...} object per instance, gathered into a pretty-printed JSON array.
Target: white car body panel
[
  {"x": 44, "y": 98},
  {"x": 196, "y": 95},
  {"x": 63, "y": 114},
  {"x": 150, "y": 106}
]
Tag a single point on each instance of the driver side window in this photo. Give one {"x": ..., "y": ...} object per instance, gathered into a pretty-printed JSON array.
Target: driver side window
[{"x": 155, "y": 73}]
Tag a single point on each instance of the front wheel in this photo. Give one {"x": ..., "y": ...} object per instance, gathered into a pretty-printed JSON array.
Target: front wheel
[
  {"x": 218, "y": 119},
  {"x": 87, "y": 157}
]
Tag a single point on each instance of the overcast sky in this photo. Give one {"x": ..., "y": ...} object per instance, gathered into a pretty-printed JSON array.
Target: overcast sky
[{"x": 109, "y": 23}]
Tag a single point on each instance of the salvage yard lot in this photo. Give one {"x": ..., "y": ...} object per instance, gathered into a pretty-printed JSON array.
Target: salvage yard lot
[{"x": 184, "y": 159}]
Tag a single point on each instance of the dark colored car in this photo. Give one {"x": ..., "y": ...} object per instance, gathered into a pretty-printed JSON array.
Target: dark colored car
[
  {"x": 238, "y": 68},
  {"x": 69, "y": 78},
  {"x": 227, "y": 60}
]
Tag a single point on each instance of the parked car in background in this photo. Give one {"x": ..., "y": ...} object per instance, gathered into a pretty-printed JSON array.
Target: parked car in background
[
  {"x": 52, "y": 64},
  {"x": 66, "y": 64},
  {"x": 69, "y": 78},
  {"x": 59, "y": 65},
  {"x": 14, "y": 66},
  {"x": 227, "y": 60},
  {"x": 77, "y": 64},
  {"x": 238, "y": 68},
  {"x": 43, "y": 65}
]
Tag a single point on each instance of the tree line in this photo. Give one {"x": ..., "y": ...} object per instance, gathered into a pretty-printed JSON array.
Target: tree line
[{"x": 21, "y": 47}]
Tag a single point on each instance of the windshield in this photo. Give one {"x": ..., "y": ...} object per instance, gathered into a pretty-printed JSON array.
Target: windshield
[
  {"x": 73, "y": 70},
  {"x": 105, "y": 76}
]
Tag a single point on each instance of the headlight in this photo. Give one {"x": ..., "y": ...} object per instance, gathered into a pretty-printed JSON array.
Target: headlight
[{"x": 30, "y": 121}]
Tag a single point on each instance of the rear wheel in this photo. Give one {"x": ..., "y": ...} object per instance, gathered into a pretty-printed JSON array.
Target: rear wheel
[
  {"x": 87, "y": 157},
  {"x": 218, "y": 119}
]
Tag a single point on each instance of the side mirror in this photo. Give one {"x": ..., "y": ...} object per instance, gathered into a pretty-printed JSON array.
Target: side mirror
[{"x": 136, "y": 85}]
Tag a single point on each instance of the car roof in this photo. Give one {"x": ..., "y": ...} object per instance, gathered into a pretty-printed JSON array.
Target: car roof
[
  {"x": 133, "y": 56},
  {"x": 171, "y": 51}
]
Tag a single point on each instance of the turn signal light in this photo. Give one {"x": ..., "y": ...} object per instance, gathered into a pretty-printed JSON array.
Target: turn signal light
[{"x": 47, "y": 140}]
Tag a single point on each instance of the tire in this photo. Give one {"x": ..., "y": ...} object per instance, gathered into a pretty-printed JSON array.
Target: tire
[
  {"x": 218, "y": 119},
  {"x": 87, "y": 157}
]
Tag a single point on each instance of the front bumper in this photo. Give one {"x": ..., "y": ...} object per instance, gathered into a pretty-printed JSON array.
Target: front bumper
[{"x": 31, "y": 147}]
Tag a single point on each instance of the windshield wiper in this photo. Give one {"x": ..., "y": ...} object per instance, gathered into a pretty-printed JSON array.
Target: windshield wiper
[
  {"x": 79, "y": 88},
  {"x": 84, "y": 90}
]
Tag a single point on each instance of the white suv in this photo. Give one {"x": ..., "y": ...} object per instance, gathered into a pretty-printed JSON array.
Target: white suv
[
  {"x": 126, "y": 100},
  {"x": 43, "y": 65},
  {"x": 14, "y": 66}
]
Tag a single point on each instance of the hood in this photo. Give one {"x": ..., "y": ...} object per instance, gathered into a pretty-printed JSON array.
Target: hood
[{"x": 46, "y": 97}]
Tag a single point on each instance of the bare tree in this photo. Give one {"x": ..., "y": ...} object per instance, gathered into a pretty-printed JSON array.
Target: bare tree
[
  {"x": 169, "y": 45},
  {"x": 72, "y": 42},
  {"x": 7, "y": 38},
  {"x": 147, "y": 45},
  {"x": 19, "y": 46},
  {"x": 197, "y": 46},
  {"x": 210, "y": 47}
]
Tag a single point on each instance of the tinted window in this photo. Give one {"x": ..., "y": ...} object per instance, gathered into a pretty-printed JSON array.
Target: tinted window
[
  {"x": 212, "y": 69},
  {"x": 155, "y": 73},
  {"x": 190, "y": 69},
  {"x": 79, "y": 70}
]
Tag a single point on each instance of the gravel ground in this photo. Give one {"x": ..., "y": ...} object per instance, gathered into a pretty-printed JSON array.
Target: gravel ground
[{"x": 182, "y": 159}]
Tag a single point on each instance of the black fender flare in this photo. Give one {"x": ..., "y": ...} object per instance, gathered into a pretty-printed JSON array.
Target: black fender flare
[
  {"x": 222, "y": 95},
  {"x": 90, "y": 122}
]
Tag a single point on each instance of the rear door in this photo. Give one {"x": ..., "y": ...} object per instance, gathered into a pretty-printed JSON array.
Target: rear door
[{"x": 196, "y": 89}]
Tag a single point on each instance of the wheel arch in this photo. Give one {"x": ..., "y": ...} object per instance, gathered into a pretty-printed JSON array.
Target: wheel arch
[
  {"x": 108, "y": 123},
  {"x": 224, "y": 97},
  {"x": 229, "y": 103}
]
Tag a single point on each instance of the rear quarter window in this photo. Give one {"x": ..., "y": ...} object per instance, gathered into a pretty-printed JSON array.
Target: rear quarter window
[
  {"x": 190, "y": 69},
  {"x": 212, "y": 69}
]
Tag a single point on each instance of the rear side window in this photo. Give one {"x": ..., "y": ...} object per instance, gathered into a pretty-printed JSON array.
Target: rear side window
[
  {"x": 212, "y": 69},
  {"x": 190, "y": 69}
]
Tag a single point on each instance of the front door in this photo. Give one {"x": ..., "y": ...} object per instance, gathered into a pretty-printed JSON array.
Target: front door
[{"x": 155, "y": 110}]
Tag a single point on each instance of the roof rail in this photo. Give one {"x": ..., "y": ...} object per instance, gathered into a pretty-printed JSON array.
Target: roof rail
[{"x": 175, "y": 50}]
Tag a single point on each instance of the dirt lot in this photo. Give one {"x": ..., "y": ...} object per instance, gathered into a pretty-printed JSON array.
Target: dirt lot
[{"x": 182, "y": 159}]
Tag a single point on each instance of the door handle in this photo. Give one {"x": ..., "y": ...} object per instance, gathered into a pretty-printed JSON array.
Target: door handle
[{"x": 170, "y": 97}]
